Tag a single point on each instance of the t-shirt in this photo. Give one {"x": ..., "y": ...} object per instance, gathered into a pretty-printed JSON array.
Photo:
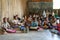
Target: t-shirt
[
  {"x": 57, "y": 21},
  {"x": 34, "y": 24},
  {"x": 5, "y": 25},
  {"x": 16, "y": 22}
]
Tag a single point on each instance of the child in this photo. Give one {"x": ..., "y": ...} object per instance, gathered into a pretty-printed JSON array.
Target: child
[
  {"x": 54, "y": 26},
  {"x": 45, "y": 24},
  {"x": 6, "y": 26},
  {"x": 34, "y": 23},
  {"x": 58, "y": 28},
  {"x": 25, "y": 26},
  {"x": 57, "y": 20},
  {"x": 39, "y": 25},
  {"x": 15, "y": 22},
  {"x": 22, "y": 27}
]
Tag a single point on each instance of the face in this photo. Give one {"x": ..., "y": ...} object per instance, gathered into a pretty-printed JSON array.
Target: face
[
  {"x": 46, "y": 18},
  {"x": 34, "y": 15},
  {"x": 16, "y": 17},
  {"x": 25, "y": 17},
  {"x": 39, "y": 21}
]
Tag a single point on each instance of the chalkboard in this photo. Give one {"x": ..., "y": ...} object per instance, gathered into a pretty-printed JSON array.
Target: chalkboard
[{"x": 36, "y": 6}]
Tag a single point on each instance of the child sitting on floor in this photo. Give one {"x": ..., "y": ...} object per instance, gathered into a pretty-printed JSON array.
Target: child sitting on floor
[
  {"x": 57, "y": 21},
  {"x": 16, "y": 22},
  {"x": 34, "y": 23},
  {"x": 6, "y": 26},
  {"x": 54, "y": 26},
  {"x": 22, "y": 27},
  {"x": 45, "y": 24},
  {"x": 39, "y": 25}
]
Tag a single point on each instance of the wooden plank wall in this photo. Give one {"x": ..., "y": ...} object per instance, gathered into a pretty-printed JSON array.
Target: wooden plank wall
[{"x": 13, "y": 7}]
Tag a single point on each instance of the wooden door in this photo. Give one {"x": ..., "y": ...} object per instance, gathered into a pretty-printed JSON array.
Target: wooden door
[{"x": 59, "y": 12}]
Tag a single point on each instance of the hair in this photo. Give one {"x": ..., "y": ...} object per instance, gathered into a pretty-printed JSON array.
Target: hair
[
  {"x": 17, "y": 15},
  {"x": 14, "y": 17},
  {"x": 4, "y": 19},
  {"x": 33, "y": 18}
]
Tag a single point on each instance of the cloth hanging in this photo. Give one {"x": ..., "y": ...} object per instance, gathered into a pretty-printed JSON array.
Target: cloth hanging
[{"x": 44, "y": 13}]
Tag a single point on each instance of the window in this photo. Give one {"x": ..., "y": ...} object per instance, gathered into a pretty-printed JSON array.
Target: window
[{"x": 56, "y": 4}]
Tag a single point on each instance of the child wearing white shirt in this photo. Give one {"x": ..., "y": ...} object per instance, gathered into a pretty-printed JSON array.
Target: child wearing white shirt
[
  {"x": 16, "y": 22},
  {"x": 57, "y": 21}
]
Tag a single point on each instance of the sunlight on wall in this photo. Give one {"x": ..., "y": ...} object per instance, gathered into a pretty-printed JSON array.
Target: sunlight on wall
[
  {"x": 13, "y": 7},
  {"x": 56, "y": 4}
]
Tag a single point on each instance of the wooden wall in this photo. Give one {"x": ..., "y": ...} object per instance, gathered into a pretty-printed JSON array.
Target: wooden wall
[
  {"x": 12, "y": 7},
  {"x": 0, "y": 10}
]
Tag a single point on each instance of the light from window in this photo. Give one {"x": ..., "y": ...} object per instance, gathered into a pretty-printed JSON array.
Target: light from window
[{"x": 56, "y": 4}]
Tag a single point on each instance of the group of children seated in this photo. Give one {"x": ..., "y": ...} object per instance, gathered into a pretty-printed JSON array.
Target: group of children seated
[{"x": 40, "y": 22}]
